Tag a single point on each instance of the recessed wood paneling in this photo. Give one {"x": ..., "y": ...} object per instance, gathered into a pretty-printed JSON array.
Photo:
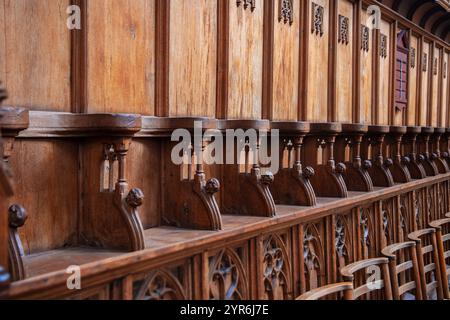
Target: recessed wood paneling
[
  {"x": 435, "y": 74},
  {"x": 35, "y": 53},
  {"x": 317, "y": 66},
  {"x": 385, "y": 75},
  {"x": 286, "y": 64},
  {"x": 47, "y": 187},
  {"x": 414, "y": 69},
  {"x": 425, "y": 81},
  {"x": 366, "y": 74},
  {"x": 445, "y": 91},
  {"x": 193, "y": 58},
  {"x": 121, "y": 56},
  {"x": 245, "y": 61},
  {"x": 344, "y": 62}
]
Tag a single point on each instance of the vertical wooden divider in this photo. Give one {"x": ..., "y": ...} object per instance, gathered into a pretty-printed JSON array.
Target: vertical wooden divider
[
  {"x": 332, "y": 45},
  {"x": 223, "y": 35},
  {"x": 267, "y": 94},
  {"x": 162, "y": 58},
  {"x": 357, "y": 59}
]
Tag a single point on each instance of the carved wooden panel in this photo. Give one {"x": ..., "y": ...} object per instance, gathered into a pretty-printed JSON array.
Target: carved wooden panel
[
  {"x": 365, "y": 38},
  {"x": 407, "y": 222},
  {"x": 245, "y": 60},
  {"x": 367, "y": 232},
  {"x": 389, "y": 222},
  {"x": 35, "y": 53},
  {"x": 314, "y": 260},
  {"x": 228, "y": 274},
  {"x": 367, "y": 69},
  {"x": 414, "y": 70},
  {"x": 276, "y": 267},
  {"x": 192, "y": 58},
  {"x": 385, "y": 75},
  {"x": 286, "y": 48},
  {"x": 318, "y": 58},
  {"x": 344, "y": 241},
  {"x": 383, "y": 46},
  {"x": 420, "y": 208},
  {"x": 344, "y": 62},
  {"x": 120, "y": 56},
  {"x": 170, "y": 283},
  {"x": 424, "y": 62}
]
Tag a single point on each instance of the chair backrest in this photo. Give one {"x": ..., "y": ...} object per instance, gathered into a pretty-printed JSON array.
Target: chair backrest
[
  {"x": 375, "y": 279},
  {"x": 404, "y": 271},
  {"x": 344, "y": 288},
  {"x": 428, "y": 260},
  {"x": 442, "y": 228}
]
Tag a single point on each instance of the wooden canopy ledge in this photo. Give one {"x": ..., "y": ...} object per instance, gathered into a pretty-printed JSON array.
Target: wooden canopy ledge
[
  {"x": 57, "y": 124},
  {"x": 439, "y": 130},
  {"x": 326, "y": 127},
  {"x": 13, "y": 120},
  {"x": 427, "y": 130},
  {"x": 378, "y": 129},
  {"x": 414, "y": 130},
  {"x": 398, "y": 130},
  {"x": 157, "y": 126},
  {"x": 262, "y": 125},
  {"x": 293, "y": 127},
  {"x": 357, "y": 128}
]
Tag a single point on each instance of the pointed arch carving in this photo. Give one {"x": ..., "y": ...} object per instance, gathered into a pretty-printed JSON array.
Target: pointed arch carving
[{"x": 161, "y": 285}]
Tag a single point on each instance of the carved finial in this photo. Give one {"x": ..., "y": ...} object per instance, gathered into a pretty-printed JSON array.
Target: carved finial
[
  {"x": 406, "y": 160},
  {"x": 212, "y": 186},
  {"x": 17, "y": 216},
  {"x": 308, "y": 172},
  {"x": 135, "y": 198},
  {"x": 367, "y": 164},
  {"x": 267, "y": 179},
  {"x": 388, "y": 163},
  {"x": 341, "y": 168}
]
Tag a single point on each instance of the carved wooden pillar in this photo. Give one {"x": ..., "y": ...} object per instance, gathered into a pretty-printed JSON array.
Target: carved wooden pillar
[
  {"x": 373, "y": 147},
  {"x": 439, "y": 157},
  {"x": 328, "y": 180},
  {"x": 394, "y": 141},
  {"x": 246, "y": 192},
  {"x": 410, "y": 149},
  {"x": 348, "y": 151},
  {"x": 428, "y": 159},
  {"x": 292, "y": 184}
]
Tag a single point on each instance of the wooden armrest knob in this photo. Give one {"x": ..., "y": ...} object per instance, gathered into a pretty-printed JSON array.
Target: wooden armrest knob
[
  {"x": 135, "y": 198},
  {"x": 212, "y": 186},
  {"x": 267, "y": 179},
  {"x": 17, "y": 216},
  {"x": 367, "y": 164},
  {"x": 388, "y": 163},
  {"x": 406, "y": 160},
  {"x": 341, "y": 168},
  {"x": 308, "y": 172}
]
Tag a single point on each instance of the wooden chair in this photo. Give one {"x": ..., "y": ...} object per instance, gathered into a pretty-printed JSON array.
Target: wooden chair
[
  {"x": 404, "y": 271},
  {"x": 362, "y": 287},
  {"x": 443, "y": 243},
  {"x": 344, "y": 288},
  {"x": 428, "y": 260}
]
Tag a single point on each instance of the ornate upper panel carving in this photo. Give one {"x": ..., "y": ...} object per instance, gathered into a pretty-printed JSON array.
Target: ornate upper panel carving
[
  {"x": 384, "y": 46},
  {"x": 413, "y": 57},
  {"x": 424, "y": 62},
  {"x": 317, "y": 19},
  {"x": 365, "y": 38},
  {"x": 286, "y": 11},
  {"x": 344, "y": 30},
  {"x": 247, "y": 4}
]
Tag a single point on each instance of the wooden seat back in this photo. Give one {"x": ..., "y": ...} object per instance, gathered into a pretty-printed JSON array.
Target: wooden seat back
[
  {"x": 367, "y": 286},
  {"x": 428, "y": 260},
  {"x": 443, "y": 243},
  {"x": 404, "y": 271},
  {"x": 344, "y": 288}
]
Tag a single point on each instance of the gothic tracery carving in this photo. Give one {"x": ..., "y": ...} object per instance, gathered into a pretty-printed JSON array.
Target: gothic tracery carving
[
  {"x": 365, "y": 38},
  {"x": 383, "y": 46},
  {"x": 317, "y": 17},
  {"x": 247, "y": 4},
  {"x": 424, "y": 62},
  {"x": 276, "y": 268},
  {"x": 344, "y": 29},
  {"x": 286, "y": 11},
  {"x": 161, "y": 285},
  {"x": 312, "y": 255},
  {"x": 227, "y": 277},
  {"x": 413, "y": 57}
]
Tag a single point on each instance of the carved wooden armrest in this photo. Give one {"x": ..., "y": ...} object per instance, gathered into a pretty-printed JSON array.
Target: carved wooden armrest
[
  {"x": 345, "y": 287},
  {"x": 17, "y": 217},
  {"x": 414, "y": 160},
  {"x": 416, "y": 235},
  {"x": 428, "y": 158},
  {"x": 380, "y": 170},
  {"x": 399, "y": 168},
  {"x": 438, "y": 156},
  {"x": 348, "y": 271}
]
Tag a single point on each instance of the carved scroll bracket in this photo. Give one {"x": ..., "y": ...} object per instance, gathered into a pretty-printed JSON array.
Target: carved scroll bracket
[
  {"x": 439, "y": 156},
  {"x": 428, "y": 158},
  {"x": 415, "y": 167},
  {"x": 399, "y": 169},
  {"x": 17, "y": 217}
]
